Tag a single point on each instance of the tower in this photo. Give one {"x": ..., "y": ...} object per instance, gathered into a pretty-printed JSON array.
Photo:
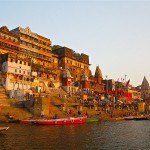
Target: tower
[
  {"x": 85, "y": 83},
  {"x": 145, "y": 88},
  {"x": 98, "y": 75}
]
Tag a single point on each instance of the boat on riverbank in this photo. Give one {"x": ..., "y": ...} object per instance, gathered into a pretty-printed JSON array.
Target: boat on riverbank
[
  {"x": 27, "y": 121},
  {"x": 92, "y": 119},
  {"x": 62, "y": 121},
  {"x": 129, "y": 118},
  {"x": 141, "y": 118},
  {"x": 3, "y": 128},
  {"x": 14, "y": 120}
]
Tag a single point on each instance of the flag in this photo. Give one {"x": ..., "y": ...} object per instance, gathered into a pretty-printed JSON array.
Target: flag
[{"x": 127, "y": 83}]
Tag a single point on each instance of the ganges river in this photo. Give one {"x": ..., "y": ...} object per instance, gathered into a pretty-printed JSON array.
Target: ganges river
[{"x": 109, "y": 135}]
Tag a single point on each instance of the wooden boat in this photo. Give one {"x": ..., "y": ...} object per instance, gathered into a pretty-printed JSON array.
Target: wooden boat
[
  {"x": 61, "y": 121},
  {"x": 3, "y": 128},
  {"x": 14, "y": 120},
  {"x": 141, "y": 118},
  {"x": 92, "y": 119},
  {"x": 129, "y": 118},
  {"x": 27, "y": 121},
  {"x": 118, "y": 118}
]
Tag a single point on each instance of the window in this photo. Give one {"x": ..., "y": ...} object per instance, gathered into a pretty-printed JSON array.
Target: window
[
  {"x": 11, "y": 60},
  {"x": 19, "y": 71},
  {"x": 20, "y": 62},
  {"x": 24, "y": 72},
  {"x": 16, "y": 70},
  {"x": 16, "y": 61}
]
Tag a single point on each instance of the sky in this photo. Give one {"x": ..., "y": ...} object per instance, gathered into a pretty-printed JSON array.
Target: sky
[{"x": 114, "y": 33}]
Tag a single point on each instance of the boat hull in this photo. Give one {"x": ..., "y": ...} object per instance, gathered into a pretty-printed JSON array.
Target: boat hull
[
  {"x": 63, "y": 121},
  {"x": 92, "y": 119},
  {"x": 27, "y": 121},
  {"x": 141, "y": 118},
  {"x": 3, "y": 128},
  {"x": 129, "y": 118},
  {"x": 14, "y": 120}
]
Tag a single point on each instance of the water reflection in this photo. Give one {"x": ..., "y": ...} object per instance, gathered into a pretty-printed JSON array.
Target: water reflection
[{"x": 119, "y": 135}]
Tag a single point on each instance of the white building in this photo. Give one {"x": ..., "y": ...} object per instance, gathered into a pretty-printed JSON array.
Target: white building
[{"x": 17, "y": 74}]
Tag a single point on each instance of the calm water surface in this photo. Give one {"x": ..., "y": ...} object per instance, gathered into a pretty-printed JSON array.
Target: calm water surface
[{"x": 114, "y": 135}]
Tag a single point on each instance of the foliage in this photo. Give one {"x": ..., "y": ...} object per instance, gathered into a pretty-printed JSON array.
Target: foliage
[{"x": 56, "y": 47}]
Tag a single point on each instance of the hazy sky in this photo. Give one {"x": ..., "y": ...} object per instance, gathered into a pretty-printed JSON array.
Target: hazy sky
[{"x": 115, "y": 34}]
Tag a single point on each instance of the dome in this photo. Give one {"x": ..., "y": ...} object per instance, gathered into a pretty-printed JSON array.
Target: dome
[
  {"x": 145, "y": 84},
  {"x": 84, "y": 77},
  {"x": 67, "y": 74}
]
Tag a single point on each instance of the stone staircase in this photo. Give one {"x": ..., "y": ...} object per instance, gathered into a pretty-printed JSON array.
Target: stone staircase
[
  {"x": 3, "y": 97},
  {"x": 57, "y": 91}
]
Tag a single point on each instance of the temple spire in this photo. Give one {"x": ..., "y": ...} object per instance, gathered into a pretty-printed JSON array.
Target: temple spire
[
  {"x": 145, "y": 84},
  {"x": 98, "y": 75}
]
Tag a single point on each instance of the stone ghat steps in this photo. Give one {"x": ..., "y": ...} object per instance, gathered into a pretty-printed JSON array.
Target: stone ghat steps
[
  {"x": 57, "y": 91},
  {"x": 3, "y": 96},
  {"x": 4, "y": 103},
  {"x": 2, "y": 89}
]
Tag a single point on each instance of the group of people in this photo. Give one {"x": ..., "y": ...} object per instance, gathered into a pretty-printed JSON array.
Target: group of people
[{"x": 78, "y": 113}]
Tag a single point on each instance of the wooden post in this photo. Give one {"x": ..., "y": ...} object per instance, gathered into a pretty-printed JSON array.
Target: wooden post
[{"x": 49, "y": 105}]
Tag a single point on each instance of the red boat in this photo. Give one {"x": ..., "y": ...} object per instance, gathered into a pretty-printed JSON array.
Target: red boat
[
  {"x": 61, "y": 121},
  {"x": 27, "y": 121}
]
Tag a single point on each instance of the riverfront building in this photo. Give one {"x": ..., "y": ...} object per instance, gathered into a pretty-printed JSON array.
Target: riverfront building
[
  {"x": 75, "y": 62},
  {"x": 9, "y": 42},
  {"x": 28, "y": 63}
]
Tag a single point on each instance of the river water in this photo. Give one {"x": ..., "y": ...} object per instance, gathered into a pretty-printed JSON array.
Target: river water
[{"x": 109, "y": 135}]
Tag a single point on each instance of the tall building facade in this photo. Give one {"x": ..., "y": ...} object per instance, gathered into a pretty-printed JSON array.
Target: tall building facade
[
  {"x": 38, "y": 49},
  {"x": 9, "y": 42},
  {"x": 27, "y": 61},
  {"x": 75, "y": 62}
]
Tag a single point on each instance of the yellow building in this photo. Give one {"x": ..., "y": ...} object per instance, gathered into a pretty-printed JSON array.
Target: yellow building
[{"x": 141, "y": 107}]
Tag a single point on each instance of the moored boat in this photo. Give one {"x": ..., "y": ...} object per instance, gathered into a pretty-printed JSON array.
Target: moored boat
[
  {"x": 14, "y": 120},
  {"x": 27, "y": 121},
  {"x": 3, "y": 128},
  {"x": 129, "y": 118},
  {"x": 92, "y": 119},
  {"x": 141, "y": 118},
  {"x": 61, "y": 121}
]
